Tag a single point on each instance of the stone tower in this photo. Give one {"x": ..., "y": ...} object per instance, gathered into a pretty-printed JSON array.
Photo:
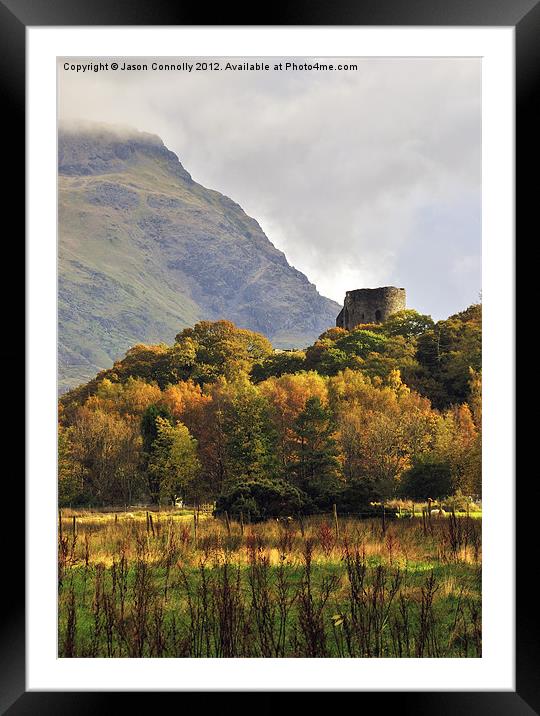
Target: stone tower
[{"x": 370, "y": 305}]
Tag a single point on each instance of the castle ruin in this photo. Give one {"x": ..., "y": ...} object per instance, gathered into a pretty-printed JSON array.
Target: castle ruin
[{"x": 370, "y": 305}]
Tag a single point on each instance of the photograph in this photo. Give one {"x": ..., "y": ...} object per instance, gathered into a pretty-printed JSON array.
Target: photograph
[{"x": 269, "y": 356}]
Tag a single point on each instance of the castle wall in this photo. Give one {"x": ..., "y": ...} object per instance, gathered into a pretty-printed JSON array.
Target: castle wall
[{"x": 370, "y": 305}]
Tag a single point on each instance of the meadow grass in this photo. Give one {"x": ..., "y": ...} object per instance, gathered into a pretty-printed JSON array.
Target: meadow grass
[{"x": 174, "y": 584}]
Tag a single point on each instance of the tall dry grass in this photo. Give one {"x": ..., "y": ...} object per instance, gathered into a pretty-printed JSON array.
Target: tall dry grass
[{"x": 138, "y": 585}]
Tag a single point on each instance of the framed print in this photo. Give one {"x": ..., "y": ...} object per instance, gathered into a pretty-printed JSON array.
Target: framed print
[{"x": 269, "y": 269}]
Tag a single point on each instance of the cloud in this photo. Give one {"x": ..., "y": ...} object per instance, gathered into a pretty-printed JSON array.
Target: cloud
[{"x": 363, "y": 178}]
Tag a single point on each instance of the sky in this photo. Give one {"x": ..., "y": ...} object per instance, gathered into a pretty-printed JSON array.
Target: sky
[{"x": 364, "y": 178}]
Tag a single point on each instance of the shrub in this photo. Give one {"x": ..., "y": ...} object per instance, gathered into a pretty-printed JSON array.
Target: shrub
[
  {"x": 459, "y": 503},
  {"x": 357, "y": 496},
  {"x": 427, "y": 479},
  {"x": 261, "y": 499}
]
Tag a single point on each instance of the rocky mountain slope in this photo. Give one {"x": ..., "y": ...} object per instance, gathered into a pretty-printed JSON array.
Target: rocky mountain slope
[{"x": 145, "y": 251}]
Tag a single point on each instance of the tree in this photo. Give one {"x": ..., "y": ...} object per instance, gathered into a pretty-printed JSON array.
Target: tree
[
  {"x": 182, "y": 399},
  {"x": 315, "y": 467},
  {"x": 222, "y": 349},
  {"x": 361, "y": 343},
  {"x": 349, "y": 428},
  {"x": 149, "y": 433},
  {"x": 407, "y": 323},
  {"x": 458, "y": 444},
  {"x": 173, "y": 464},
  {"x": 383, "y": 425},
  {"x": 347, "y": 349},
  {"x": 130, "y": 398},
  {"x": 447, "y": 353},
  {"x": 70, "y": 471},
  {"x": 107, "y": 447},
  {"x": 332, "y": 334},
  {"x": 149, "y": 362},
  {"x": 279, "y": 363},
  {"x": 149, "y": 425},
  {"x": 287, "y": 396},
  {"x": 249, "y": 436}
]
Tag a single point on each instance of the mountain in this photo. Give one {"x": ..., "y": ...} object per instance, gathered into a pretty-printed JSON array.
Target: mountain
[{"x": 145, "y": 251}]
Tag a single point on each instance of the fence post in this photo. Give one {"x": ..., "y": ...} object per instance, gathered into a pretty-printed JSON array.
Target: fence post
[
  {"x": 228, "y": 523},
  {"x": 74, "y": 525},
  {"x": 241, "y": 522},
  {"x": 60, "y": 533},
  {"x": 336, "y": 523},
  {"x": 383, "y": 518}
]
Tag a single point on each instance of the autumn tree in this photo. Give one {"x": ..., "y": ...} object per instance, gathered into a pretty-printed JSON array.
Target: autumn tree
[
  {"x": 130, "y": 398},
  {"x": 382, "y": 426},
  {"x": 458, "y": 445},
  {"x": 107, "y": 447},
  {"x": 287, "y": 396},
  {"x": 350, "y": 414},
  {"x": 222, "y": 349}
]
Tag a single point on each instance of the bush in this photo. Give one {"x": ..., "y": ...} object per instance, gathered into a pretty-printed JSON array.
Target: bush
[
  {"x": 357, "y": 497},
  {"x": 459, "y": 503},
  {"x": 427, "y": 479},
  {"x": 262, "y": 499},
  {"x": 375, "y": 512}
]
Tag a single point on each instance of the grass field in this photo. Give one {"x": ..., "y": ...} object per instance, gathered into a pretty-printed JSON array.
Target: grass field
[{"x": 174, "y": 584}]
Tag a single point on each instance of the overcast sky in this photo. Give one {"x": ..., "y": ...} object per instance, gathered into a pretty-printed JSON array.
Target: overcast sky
[{"x": 363, "y": 178}]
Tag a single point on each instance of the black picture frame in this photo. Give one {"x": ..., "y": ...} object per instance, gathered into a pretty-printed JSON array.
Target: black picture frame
[{"x": 524, "y": 16}]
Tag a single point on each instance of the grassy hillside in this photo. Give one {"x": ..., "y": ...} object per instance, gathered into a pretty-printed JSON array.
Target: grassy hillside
[{"x": 145, "y": 251}]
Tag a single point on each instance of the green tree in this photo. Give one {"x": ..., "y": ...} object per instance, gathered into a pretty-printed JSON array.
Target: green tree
[
  {"x": 149, "y": 433},
  {"x": 279, "y": 363},
  {"x": 173, "y": 465},
  {"x": 149, "y": 425},
  {"x": 70, "y": 472},
  {"x": 361, "y": 343},
  {"x": 249, "y": 435},
  {"x": 446, "y": 354},
  {"x": 407, "y": 323},
  {"x": 315, "y": 467}
]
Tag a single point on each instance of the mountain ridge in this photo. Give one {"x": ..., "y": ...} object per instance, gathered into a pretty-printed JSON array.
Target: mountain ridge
[{"x": 144, "y": 251}]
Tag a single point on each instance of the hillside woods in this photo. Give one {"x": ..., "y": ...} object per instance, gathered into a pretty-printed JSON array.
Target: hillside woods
[{"x": 378, "y": 412}]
